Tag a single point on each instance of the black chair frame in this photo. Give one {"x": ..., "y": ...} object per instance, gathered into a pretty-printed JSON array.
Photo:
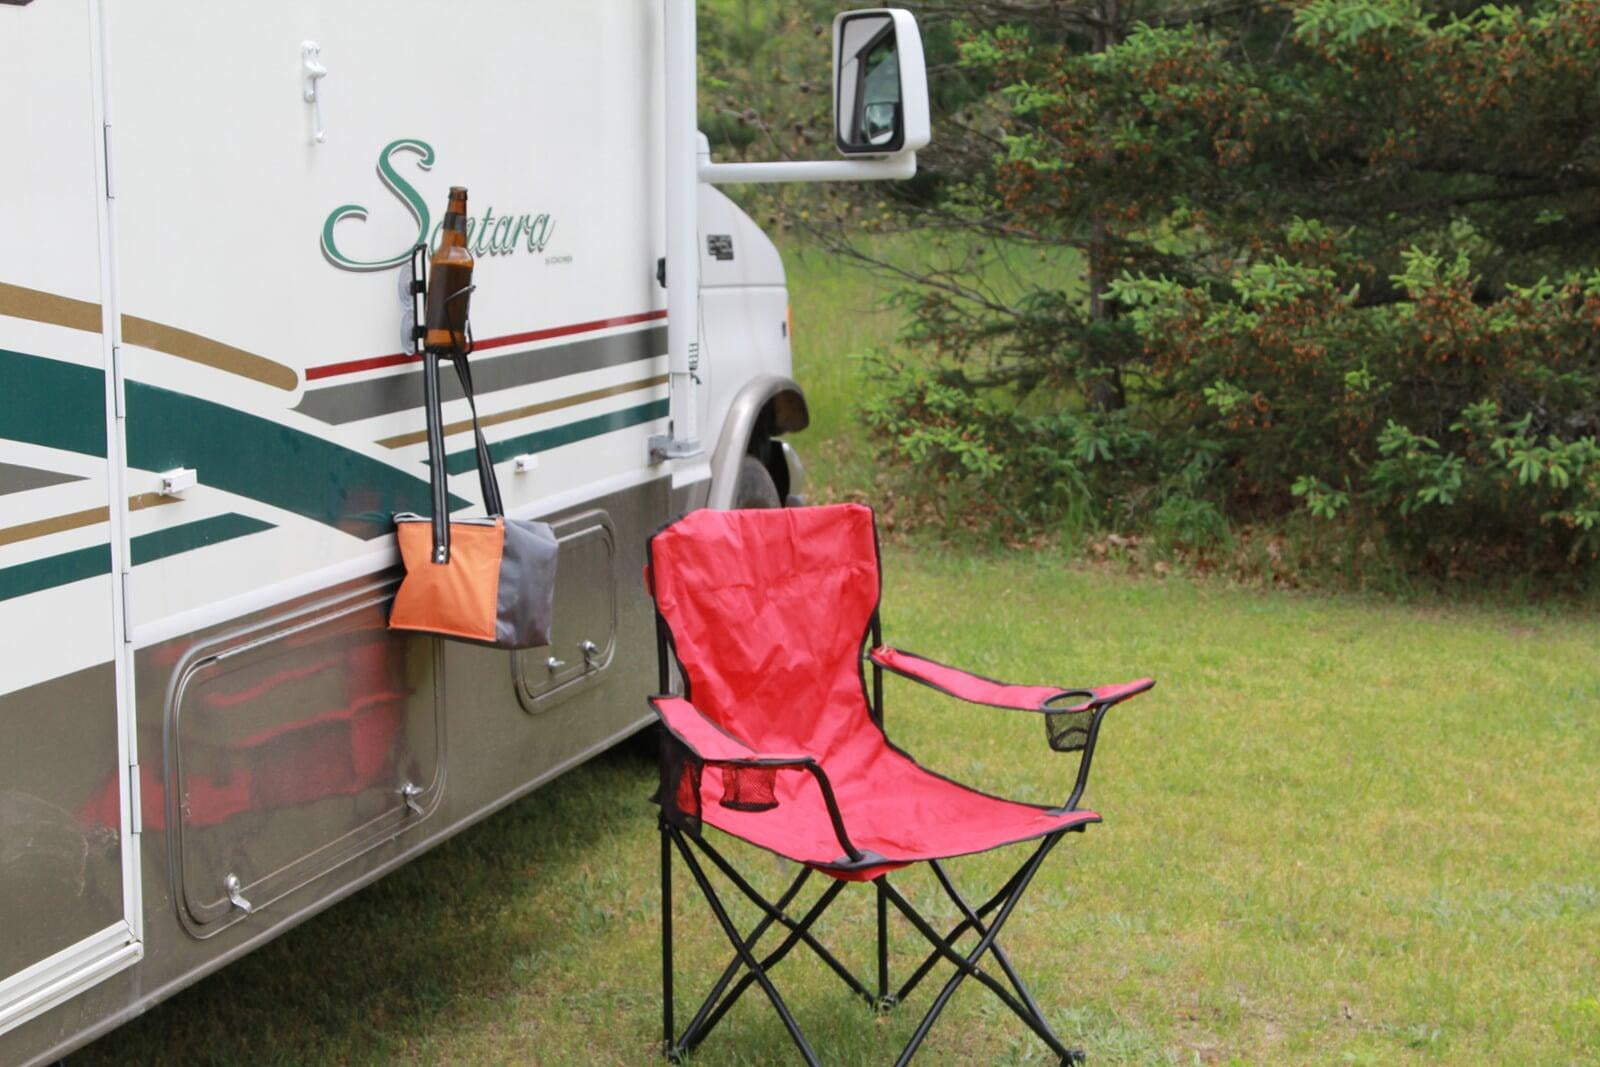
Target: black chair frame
[{"x": 685, "y": 838}]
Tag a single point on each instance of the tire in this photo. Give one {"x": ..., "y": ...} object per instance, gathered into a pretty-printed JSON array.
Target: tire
[{"x": 755, "y": 487}]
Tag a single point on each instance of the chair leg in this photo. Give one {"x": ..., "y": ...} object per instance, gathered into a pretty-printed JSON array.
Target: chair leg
[
  {"x": 943, "y": 950},
  {"x": 955, "y": 932},
  {"x": 666, "y": 942},
  {"x": 1073, "y": 1056},
  {"x": 967, "y": 966},
  {"x": 998, "y": 952},
  {"x": 744, "y": 952},
  {"x": 804, "y": 934},
  {"x": 721, "y": 998},
  {"x": 700, "y": 1025},
  {"x": 886, "y": 1000},
  {"x": 697, "y": 1033}
]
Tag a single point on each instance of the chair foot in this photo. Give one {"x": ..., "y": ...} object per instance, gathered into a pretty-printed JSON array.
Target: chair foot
[
  {"x": 1075, "y": 1057},
  {"x": 885, "y": 1003},
  {"x": 675, "y": 1054}
]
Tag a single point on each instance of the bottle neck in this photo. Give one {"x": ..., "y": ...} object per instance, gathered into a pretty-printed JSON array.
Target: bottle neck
[{"x": 453, "y": 233}]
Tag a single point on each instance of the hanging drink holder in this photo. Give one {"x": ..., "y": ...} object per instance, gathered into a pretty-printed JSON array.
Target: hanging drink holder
[{"x": 488, "y": 580}]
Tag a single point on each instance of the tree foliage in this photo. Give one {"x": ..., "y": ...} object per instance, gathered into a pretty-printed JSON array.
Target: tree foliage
[{"x": 1338, "y": 256}]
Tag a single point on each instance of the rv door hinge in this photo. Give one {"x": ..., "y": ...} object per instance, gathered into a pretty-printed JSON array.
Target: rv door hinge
[
  {"x": 117, "y": 389},
  {"x": 135, "y": 801},
  {"x": 127, "y": 612},
  {"x": 111, "y": 184}
]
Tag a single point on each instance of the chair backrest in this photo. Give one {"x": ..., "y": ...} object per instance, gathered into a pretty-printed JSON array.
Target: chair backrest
[{"x": 767, "y": 610}]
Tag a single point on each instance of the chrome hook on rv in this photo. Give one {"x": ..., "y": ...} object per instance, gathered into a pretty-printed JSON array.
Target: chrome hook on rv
[{"x": 314, "y": 71}]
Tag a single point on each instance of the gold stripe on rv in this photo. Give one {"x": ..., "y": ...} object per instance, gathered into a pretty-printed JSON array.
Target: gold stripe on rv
[
  {"x": 93, "y": 516},
  {"x": 207, "y": 352},
  {"x": 35, "y": 305},
  {"x": 418, "y": 436}
]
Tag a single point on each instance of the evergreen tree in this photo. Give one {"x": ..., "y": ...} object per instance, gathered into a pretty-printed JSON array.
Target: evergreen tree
[{"x": 1332, "y": 254}]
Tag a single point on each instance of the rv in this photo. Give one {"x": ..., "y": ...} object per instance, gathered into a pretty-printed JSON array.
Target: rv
[{"x": 211, "y": 410}]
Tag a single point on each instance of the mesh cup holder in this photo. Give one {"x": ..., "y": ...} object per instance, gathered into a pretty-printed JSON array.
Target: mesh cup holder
[
  {"x": 1068, "y": 731},
  {"x": 679, "y": 795},
  {"x": 749, "y": 788}
]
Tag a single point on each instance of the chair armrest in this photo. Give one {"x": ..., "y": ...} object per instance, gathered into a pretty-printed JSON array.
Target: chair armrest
[
  {"x": 1105, "y": 696},
  {"x": 711, "y": 742},
  {"x": 1072, "y": 716},
  {"x": 976, "y": 689},
  {"x": 707, "y": 742}
]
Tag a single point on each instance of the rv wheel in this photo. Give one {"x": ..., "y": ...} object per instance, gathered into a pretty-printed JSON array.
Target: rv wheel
[{"x": 755, "y": 487}]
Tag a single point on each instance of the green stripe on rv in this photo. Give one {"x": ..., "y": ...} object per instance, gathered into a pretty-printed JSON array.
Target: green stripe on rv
[
  {"x": 270, "y": 462},
  {"x": 246, "y": 454},
  {"x": 556, "y": 436},
  {"x": 91, "y": 562},
  {"x": 61, "y": 405},
  {"x": 52, "y": 571},
  {"x": 53, "y": 404},
  {"x": 176, "y": 540}
]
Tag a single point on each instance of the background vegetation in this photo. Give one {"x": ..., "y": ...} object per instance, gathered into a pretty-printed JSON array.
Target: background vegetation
[{"x": 1209, "y": 274}]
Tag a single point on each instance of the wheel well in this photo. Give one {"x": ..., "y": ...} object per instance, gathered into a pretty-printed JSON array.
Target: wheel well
[
  {"x": 763, "y": 410},
  {"x": 763, "y": 443}
]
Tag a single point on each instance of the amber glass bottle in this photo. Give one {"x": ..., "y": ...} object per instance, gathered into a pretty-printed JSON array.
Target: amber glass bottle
[{"x": 450, "y": 272}]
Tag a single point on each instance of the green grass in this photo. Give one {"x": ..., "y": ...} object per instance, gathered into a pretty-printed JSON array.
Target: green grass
[
  {"x": 841, "y": 311},
  {"x": 1341, "y": 830},
  {"x": 1338, "y": 831}
]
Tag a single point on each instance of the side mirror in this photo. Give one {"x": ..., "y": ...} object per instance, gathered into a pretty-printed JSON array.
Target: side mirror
[{"x": 880, "y": 83}]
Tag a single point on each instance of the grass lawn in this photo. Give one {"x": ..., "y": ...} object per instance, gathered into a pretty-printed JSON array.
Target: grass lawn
[
  {"x": 1341, "y": 830},
  {"x": 1338, "y": 831},
  {"x": 840, "y": 311}
]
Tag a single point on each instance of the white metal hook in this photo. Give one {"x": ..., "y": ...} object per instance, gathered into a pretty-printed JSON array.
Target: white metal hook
[{"x": 314, "y": 71}]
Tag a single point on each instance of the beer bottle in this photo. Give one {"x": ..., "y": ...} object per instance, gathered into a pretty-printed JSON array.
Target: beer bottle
[{"x": 450, "y": 272}]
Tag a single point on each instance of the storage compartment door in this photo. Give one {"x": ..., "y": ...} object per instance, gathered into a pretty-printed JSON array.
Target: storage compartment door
[
  {"x": 302, "y": 742},
  {"x": 583, "y": 640}
]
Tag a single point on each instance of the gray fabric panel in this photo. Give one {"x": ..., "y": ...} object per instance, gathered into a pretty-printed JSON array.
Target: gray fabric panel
[
  {"x": 15, "y": 478},
  {"x": 401, "y": 392},
  {"x": 526, "y": 606}
]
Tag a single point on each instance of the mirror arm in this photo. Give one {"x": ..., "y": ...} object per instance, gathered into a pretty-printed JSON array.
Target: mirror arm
[{"x": 891, "y": 168}]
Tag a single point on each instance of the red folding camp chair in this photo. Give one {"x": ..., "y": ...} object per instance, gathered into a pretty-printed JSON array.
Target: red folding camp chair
[{"x": 774, "y": 741}]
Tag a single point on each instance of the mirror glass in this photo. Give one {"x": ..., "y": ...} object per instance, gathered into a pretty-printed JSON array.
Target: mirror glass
[{"x": 868, "y": 96}]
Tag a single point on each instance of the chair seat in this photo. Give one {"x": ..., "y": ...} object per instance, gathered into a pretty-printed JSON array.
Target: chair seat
[{"x": 894, "y": 810}]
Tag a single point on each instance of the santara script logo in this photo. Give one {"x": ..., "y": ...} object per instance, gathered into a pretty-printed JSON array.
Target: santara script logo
[{"x": 487, "y": 235}]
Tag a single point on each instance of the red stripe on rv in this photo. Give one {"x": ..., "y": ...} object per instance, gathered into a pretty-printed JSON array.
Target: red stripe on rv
[{"x": 332, "y": 370}]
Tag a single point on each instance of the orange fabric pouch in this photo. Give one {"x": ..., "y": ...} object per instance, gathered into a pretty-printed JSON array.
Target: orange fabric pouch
[{"x": 488, "y": 580}]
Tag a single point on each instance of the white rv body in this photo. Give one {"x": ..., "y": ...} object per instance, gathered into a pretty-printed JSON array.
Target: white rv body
[{"x": 207, "y": 732}]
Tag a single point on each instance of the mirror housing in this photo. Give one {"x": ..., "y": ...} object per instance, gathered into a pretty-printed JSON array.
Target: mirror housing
[{"x": 880, "y": 83}]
